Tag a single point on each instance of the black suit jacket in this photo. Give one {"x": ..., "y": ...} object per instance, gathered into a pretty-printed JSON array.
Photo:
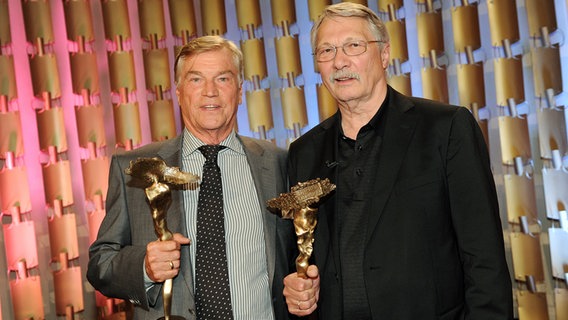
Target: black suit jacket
[{"x": 434, "y": 243}]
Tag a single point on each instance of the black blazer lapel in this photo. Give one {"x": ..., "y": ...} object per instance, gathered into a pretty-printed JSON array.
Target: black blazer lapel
[{"x": 400, "y": 124}]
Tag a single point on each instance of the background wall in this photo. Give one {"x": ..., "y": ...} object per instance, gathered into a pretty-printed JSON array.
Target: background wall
[{"x": 61, "y": 121}]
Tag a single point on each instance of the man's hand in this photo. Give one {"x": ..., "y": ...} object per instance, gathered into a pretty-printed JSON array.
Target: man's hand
[
  {"x": 162, "y": 258},
  {"x": 302, "y": 294}
]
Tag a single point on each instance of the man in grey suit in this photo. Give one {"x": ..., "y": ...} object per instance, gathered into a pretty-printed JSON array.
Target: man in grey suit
[{"x": 128, "y": 262}]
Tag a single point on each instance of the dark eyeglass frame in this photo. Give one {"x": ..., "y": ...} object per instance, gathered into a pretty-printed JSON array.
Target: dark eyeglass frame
[{"x": 362, "y": 43}]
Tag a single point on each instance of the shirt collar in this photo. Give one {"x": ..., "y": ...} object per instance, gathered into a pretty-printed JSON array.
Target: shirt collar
[{"x": 191, "y": 143}]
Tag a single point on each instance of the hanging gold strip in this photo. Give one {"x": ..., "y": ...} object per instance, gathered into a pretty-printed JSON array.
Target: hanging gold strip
[
  {"x": 90, "y": 125},
  {"x": 37, "y": 17},
  {"x": 79, "y": 20},
  {"x": 540, "y": 13},
  {"x": 526, "y": 254},
  {"x": 514, "y": 136},
  {"x": 5, "y": 36},
  {"x": 68, "y": 287},
  {"x": 45, "y": 75},
  {"x": 254, "y": 59},
  {"x": 259, "y": 110},
  {"x": 316, "y": 7},
  {"x": 213, "y": 17},
  {"x": 162, "y": 119},
  {"x": 248, "y": 13},
  {"x": 384, "y": 4},
  {"x": 509, "y": 80},
  {"x": 401, "y": 83},
  {"x": 15, "y": 190},
  {"x": 551, "y": 132},
  {"x": 57, "y": 183},
  {"x": 95, "y": 177},
  {"x": 116, "y": 20},
  {"x": 127, "y": 124},
  {"x": 157, "y": 68},
  {"x": 7, "y": 77},
  {"x": 84, "y": 72},
  {"x": 520, "y": 198},
  {"x": 283, "y": 12},
  {"x": 294, "y": 107},
  {"x": 327, "y": 105},
  {"x": 51, "y": 129},
  {"x": 152, "y": 19},
  {"x": 398, "y": 44},
  {"x": 288, "y": 56},
  {"x": 435, "y": 84},
  {"x": 471, "y": 86},
  {"x": 122, "y": 73},
  {"x": 11, "y": 138},
  {"x": 182, "y": 16},
  {"x": 503, "y": 21},
  {"x": 465, "y": 25},
  {"x": 547, "y": 71},
  {"x": 430, "y": 33}
]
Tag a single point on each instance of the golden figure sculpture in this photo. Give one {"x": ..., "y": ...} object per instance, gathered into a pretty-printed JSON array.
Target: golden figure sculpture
[
  {"x": 296, "y": 205},
  {"x": 158, "y": 178}
]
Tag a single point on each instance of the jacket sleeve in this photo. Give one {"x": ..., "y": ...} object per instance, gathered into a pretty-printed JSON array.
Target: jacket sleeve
[{"x": 476, "y": 220}]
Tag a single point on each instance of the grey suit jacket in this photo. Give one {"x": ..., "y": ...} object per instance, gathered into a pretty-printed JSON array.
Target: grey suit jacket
[{"x": 117, "y": 256}]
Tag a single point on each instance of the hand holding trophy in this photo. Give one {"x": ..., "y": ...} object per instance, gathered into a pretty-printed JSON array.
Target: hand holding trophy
[
  {"x": 159, "y": 178},
  {"x": 296, "y": 205}
]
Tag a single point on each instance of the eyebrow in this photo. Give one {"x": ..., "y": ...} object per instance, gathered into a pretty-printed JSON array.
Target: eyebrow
[{"x": 220, "y": 73}]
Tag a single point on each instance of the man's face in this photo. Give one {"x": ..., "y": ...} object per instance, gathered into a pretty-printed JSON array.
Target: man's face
[
  {"x": 352, "y": 79},
  {"x": 209, "y": 93}
]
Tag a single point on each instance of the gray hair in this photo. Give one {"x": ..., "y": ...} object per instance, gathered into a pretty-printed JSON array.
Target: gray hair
[
  {"x": 350, "y": 9},
  {"x": 206, "y": 44}
]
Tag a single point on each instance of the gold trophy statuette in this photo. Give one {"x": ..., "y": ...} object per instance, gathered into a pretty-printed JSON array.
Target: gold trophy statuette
[
  {"x": 159, "y": 178},
  {"x": 296, "y": 205}
]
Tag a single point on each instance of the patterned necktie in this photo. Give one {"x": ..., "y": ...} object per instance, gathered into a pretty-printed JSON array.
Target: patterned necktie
[{"x": 213, "y": 297}]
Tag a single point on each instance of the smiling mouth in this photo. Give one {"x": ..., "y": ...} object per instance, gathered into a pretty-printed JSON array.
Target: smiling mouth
[
  {"x": 343, "y": 76},
  {"x": 210, "y": 107}
]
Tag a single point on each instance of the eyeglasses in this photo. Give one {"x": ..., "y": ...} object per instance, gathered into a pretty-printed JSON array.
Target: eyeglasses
[{"x": 351, "y": 48}]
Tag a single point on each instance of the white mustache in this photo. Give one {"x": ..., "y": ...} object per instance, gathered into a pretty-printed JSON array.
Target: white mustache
[{"x": 343, "y": 74}]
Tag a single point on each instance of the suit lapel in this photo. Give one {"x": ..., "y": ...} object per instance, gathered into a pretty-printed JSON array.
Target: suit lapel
[
  {"x": 177, "y": 222},
  {"x": 263, "y": 177},
  {"x": 398, "y": 133}
]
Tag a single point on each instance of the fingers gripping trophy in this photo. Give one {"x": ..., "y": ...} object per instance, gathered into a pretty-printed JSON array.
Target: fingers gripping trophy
[
  {"x": 296, "y": 205},
  {"x": 159, "y": 178}
]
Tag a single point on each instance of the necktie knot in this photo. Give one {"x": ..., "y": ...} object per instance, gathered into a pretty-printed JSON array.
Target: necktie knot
[{"x": 210, "y": 152}]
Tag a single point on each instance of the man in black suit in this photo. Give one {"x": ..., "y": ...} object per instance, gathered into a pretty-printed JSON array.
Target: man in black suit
[{"x": 413, "y": 229}]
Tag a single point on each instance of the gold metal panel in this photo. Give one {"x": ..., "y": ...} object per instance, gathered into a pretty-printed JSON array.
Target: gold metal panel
[
  {"x": 116, "y": 20},
  {"x": 127, "y": 123},
  {"x": 430, "y": 33},
  {"x": 532, "y": 306},
  {"x": 259, "y": 110},
  {"x": 465, "y": 25},
  {"x": 283, "y": 12},
  {"x": 182, "y": 17},
  {"x": 555, "y": 184},
  {"x": 509, "y": 80},
  {"x": 398, "y": 44},
  {"x": 20, "y": 244},
  {"x": 51, "y": 129},
  {"x": 327, "y": 105},
  {"x": 95, "y": 177},
  {"x": 551, "y": 132},
  {"x": 67, "y": 284},
  {"x": 561, "y": 303},
  {"x": 5, "y": 36},
  {"x": 520, "y": 197},
  {"x": 547, "y": 72},
  {"x": 503, "y": 21},
  {"x": 294, "y": 107},
  {"x": 316, "y": 7},
  {"x": 363, "y": 2},
  {"x": 514, "y": 136},
  {"x": 213, "y": 17},
  {"x": 122, "y": 73},
  {"x": 384, "y": 4},
  {"x": 152, "y": 19},
  {"x": 248, "y": 13},
  {"x": 84, "y": 72},
  {"x": 558, "y": 252},
  {"x": 27, "y": 300},
  {"x": 435, "y": 84},
  {"x": 95, "y": 218},
  {"x": 157, "y": 68},
  {"x": 162, "y": 119},
  {"x": 401, "y": 83},
  {"x": 7, "y": 77},
  {"x": 45, "y": 75},
  {"x": 288, "y": 56},
  {"x": 527, "y": 258},
  {"x": 57, "y": 183},
  {"x": 254, "y": 59},
  {"x": 471, "y": 87},
  {"x": 540, "y": 13},
  {"x": 63, "y": 236},
  {"x": 37, "y": 17},
  {"x": 15, "y": 189},
  {"x": 79, "y": 20},
  {"x": 90, "y": 125},
  {"x": 11, "y": 137}
]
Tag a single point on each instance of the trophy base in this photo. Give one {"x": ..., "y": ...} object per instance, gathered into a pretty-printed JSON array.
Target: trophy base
[{"x": 172, "y": 318}]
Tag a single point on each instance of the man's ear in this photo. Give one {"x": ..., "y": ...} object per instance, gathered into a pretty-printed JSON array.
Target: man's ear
[{"x": 385, "y": 56}]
